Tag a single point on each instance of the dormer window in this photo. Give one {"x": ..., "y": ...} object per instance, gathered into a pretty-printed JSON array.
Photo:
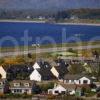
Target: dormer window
[
  {"x": 26, "y": 84},
  {"x": 16, "y": 84}
]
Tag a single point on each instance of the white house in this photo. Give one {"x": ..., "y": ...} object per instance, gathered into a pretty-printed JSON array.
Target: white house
[
  {"x": 36, "y": 66},
  {"x": 64, "y": 89},
  {"x": 57, "y": 90},
  {"x": 2, "y": 73},
  {"x": 35, "y": 75},
  {"x": 77, "y": 79}
]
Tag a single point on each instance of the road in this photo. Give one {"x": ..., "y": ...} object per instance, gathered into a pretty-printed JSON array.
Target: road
[{"x": 47, "y": 50}]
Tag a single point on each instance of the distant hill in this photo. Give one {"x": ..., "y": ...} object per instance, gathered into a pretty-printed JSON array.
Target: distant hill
[{"x": 49, "y": 5}]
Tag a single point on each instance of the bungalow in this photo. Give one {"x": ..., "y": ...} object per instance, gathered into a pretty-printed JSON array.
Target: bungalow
[
  {"x": 21, "y": 86},
  {"x": 2, "y": 73},
  {"x": 64, "y": 89},
  {"x": 77, "y": 79},
  {"x": 58, "y": 89}
]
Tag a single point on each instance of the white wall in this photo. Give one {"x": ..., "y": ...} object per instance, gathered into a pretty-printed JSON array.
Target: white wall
[
  {"x": 2, "y": 72},
  {"x": 58, "y": 88},
  {"x": 54, "y": 72},
  {"x": 84, "y": 78},
  {"x": 35, "y": 75},
  {"x": 36, "y": 66}
]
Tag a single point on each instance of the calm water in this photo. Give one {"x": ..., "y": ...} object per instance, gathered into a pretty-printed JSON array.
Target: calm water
[{"x": 12, "y": 33}]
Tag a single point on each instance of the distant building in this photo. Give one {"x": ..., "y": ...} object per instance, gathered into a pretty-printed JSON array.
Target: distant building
[{"x": 21, "y": 86}]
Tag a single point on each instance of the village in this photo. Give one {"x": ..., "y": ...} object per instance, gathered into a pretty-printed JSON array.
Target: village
[{"x": 78, "y": 78}]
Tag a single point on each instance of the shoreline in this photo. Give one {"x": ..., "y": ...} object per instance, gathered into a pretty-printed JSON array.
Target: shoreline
[{"x": 30, "y": 21}]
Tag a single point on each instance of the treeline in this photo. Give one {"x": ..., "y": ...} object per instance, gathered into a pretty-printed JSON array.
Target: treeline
[{"x": 79, "y": 13}]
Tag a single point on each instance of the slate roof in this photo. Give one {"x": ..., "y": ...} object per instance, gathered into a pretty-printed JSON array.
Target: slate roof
[
  {"x": 74, "y": 86},
  {"x": 62, "y": 70},
  {"x": 75, "y": 77},
  {"x": 46, "y": 74}
]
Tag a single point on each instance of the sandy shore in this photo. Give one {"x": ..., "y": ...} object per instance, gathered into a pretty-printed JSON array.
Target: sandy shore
[
  {"x": 79, "y": 24},
  {"x": 29, "y": 21},
  {"x": 23, "y": 21}
]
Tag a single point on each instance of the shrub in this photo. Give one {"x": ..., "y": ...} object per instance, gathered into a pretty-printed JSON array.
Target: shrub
[
  {"x": 98, "y": 94},
  {"x": 51, "y": 97}
]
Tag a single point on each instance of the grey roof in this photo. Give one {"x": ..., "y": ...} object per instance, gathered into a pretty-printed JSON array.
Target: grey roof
[{"x": 74, "y": 77}]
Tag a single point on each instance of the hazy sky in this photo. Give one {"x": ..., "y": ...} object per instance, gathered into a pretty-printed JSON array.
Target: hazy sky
[{"x": 49, "y": 4}]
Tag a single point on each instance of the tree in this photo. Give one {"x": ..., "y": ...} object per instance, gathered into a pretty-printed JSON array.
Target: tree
[{"x": 76, "y": 69}]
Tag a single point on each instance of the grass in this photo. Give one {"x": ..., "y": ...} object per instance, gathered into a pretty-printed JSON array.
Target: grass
[{"x": 22, "y": 48}]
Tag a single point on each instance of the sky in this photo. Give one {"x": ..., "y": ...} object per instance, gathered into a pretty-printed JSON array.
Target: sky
[{"x": 48, "y": 4}]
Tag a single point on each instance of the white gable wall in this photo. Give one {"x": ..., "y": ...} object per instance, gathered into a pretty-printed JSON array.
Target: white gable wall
[
  {"x": 35, "y": 75},
  {"x": 36, "y": 66},
  {"x": 85, "y": 79},
  {"x": 2, "y": 72},
  {"x": 54, "y": 72},
  {"x": 59, "y": 88}
]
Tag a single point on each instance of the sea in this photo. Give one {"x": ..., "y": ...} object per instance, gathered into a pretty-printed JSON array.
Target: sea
[{"x": 32, "y": 33}]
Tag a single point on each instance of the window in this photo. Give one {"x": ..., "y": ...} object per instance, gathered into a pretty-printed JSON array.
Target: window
[
  {"x": 1, "y": 83},
  {"x": 85, "y": 81},
  {"x": 63, "y": 92},
  {"x": 26, "y": 90},
  {"x": 16, "y": 84},
  {"x": 56, "y": 91},
  {"x": 26, "y": 84},
  {"x": 17, "y": 90}
]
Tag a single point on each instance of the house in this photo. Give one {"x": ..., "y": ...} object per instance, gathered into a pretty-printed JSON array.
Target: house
[
  {"x": 41, "y": 72},
  {"x": 2, "y": 73},
  {"x": 60, "y": 70},
  {"x": 3, "y": 86},
  {"x": 64, "y": 89},
  {"x": 21, "y": 86},
  {"x": 58, "y": 89},
  {"x": 77, "y": 79}
]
